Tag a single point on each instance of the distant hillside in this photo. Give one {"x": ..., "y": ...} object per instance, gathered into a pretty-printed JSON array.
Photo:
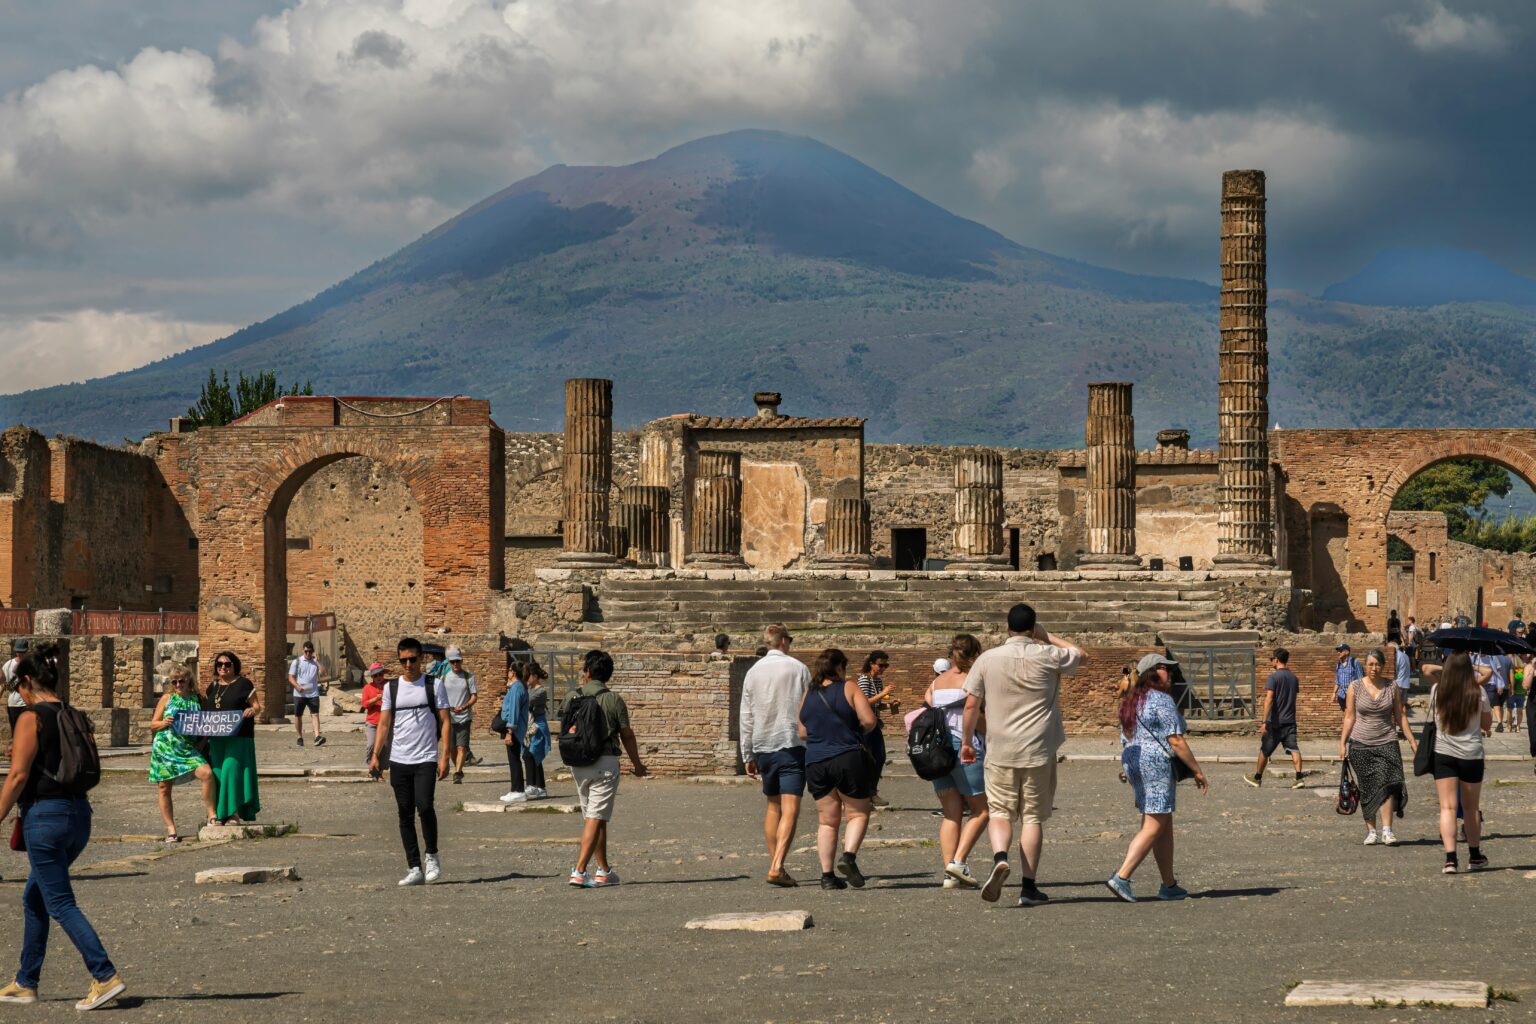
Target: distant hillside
[
  {"x": 761, "y": 261},
  {"x": 1433, "y": 277}
]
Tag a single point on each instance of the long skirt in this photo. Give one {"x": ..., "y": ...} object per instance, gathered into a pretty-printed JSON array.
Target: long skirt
[
  {"x": 234, "y": 765},
  {"x": 1379, "y": 774}
]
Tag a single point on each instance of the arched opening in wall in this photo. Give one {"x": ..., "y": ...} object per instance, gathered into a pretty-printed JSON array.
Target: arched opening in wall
[
  {"x": 1468, "y": 524},
  {"x": 1400, "y": 572},
  {"x": 352, "y": 545},
  {"x": 535, "y": 505}
]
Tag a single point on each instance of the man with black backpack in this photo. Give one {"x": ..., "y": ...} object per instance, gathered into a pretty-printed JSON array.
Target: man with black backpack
[
  {"x": 771, "y": 746},
  {"x": 415, "y": 728},
  {"x": 592, "y": 724}
]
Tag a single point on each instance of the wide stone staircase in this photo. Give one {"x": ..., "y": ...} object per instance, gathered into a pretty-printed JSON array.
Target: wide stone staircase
[{"x": 1064, "y": 605}]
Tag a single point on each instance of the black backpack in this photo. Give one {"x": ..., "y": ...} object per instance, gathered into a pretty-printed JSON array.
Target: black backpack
[
  {"x": 583, "y": 730},
  {"x": 928, "y": 742},
  {"x": 79, "y": 763},
  {"x": 394, "y": 696}
]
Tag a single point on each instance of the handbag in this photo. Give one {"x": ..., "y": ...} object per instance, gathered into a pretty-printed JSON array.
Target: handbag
[
  {"x": 499, "y": 725},
  {"x": 18, "y": 837},
  {"x": 1181, "y": 771},
  {"x": 1349, "y": 793},
  {"x": 1424, "y": 757}
]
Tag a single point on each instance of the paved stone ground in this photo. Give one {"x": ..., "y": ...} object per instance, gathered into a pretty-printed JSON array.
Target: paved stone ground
[{"x": 1284, "y": 892}]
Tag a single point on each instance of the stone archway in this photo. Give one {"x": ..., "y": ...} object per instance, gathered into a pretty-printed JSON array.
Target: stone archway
[
  {"x": 1361, "y": 472},
  {"x": 449, "y": 454}
]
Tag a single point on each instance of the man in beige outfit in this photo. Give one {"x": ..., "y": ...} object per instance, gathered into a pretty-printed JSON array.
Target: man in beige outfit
[{"x": 1017, "y": 687}]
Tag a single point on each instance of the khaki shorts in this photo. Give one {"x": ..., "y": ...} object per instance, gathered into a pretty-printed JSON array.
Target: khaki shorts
[
  {"x": 597, "y": 786},
  {"x": 1021, "y": 794}
]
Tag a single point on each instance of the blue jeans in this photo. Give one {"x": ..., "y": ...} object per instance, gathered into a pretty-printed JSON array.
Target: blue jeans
[{"x": 56, "y": 832}]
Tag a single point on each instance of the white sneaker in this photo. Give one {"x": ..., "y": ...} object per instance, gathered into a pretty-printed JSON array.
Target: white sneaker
[
  {"x": 951, "y": 883},
  {"x": 434, "y": 869},
  {"x": 959, "y": 872},
  {"x": 515, "y": 797},
  {"x": 1388, "y": 837},
  {"x": 412, "y": 877},
  {"x": 1370, "y": 837},
  {"x": 537, "y": 792}
]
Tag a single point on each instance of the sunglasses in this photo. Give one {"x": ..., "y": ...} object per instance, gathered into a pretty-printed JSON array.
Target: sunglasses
[
  {"x": 409, "y": 661},
  {"x": 223, "y": 664}
]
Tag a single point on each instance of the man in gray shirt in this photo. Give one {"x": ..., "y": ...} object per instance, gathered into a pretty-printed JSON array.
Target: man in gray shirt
[{"x": 771, "y": 746}]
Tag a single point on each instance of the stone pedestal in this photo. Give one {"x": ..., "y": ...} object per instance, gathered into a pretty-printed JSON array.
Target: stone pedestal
[
  {"x": 1111, "y": 459},
  {"x": 1245, "y": 516},
  {"x": 587, "y": 473},
  {"x": 714, "y": 528},
  {"x": 979, "y": 512},
  {"x": 847, "y": 540}
]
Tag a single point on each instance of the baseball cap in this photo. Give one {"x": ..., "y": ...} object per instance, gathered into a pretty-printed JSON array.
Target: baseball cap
[
  {"x": 375, "y": 669},
  {"x": 454, "y": 654},
  {"x": 1342, "y": 647},
  {"x": 1152, "y": 661},
  {"x": 941, "y": 665}
]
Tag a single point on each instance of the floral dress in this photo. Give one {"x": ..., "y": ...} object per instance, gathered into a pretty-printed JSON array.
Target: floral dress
[
  {"x": 1146, "y": 754},
  {"x": 172, "y": 757}
]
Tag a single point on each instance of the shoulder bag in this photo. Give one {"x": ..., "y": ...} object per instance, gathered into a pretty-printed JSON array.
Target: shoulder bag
[
  {"x": 1181, "y": 771},
  {"x": 1424, "y": 757}
]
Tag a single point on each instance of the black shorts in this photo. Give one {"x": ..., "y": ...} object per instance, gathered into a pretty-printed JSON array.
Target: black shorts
[
  {"x": 1277, "y": 736},
  {"x": 300, "y": 703},
  {"x": 849, "y": 773},
  {"x": 1497, "y": 698},
  {"x": 1447, "y": 767}
]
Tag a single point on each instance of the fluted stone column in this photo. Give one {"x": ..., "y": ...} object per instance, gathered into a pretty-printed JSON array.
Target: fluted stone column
[
  {"x": 1111, "y": 477},
  {"x": 642, "y": 514},
  {"x": 1245, "y": 517},
  {"x": 846, "y": 542},
  {"x": 714, "y": 529},
  {"x": 587, "y": 472},
  {"x": 979, "y": 512}
]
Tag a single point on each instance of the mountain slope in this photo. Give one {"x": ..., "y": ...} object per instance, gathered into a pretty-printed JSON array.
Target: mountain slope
[
  {"x": 1433, "y": 277},
  {"x": 761, "y": 261}
]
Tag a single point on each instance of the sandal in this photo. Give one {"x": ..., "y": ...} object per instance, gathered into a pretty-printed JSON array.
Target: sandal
[{"x": 172, "y": 838}]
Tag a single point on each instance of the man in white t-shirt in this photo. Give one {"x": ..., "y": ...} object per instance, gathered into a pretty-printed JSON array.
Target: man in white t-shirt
[
  {"x": 304, "y": 678},
  {"x": 415, "y": 728},
  {"x": 13, "y": 701},
  {"x": 463, "y": 694}
]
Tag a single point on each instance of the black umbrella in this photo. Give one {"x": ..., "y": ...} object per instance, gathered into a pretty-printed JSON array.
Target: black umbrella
[{"x": 1477, "y": 640}]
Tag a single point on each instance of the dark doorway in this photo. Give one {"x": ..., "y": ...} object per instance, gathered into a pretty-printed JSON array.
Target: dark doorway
[
  {"x": 909, "y": 549},
  {"x": 1013, "y": 548},
  {"x": 1046, "y": 562}
]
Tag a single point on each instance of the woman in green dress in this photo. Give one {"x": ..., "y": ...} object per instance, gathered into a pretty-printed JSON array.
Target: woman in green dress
[
  {"x": 173, "y": 759},
  {"x": 234, "y": 757}
]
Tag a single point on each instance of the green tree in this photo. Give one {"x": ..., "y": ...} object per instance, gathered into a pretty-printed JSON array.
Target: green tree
[
  {"x": 1457, "y": 488},
  {"x": 220, "y": 404}
]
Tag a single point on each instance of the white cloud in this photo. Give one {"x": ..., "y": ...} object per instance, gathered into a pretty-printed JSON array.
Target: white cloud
[
  {"x": 1148, "y": 173},
  {"x": 1444, "y": 29},
  {"x": 91, "y": 343},
  {"x": 396, "y": 111},
  {"x": 1251, "y": 7}
]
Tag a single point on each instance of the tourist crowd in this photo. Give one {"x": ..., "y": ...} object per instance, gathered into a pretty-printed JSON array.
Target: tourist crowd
[{"x": 987, "y": 737}]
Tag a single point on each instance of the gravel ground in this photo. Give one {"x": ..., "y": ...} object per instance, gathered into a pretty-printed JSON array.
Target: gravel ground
[{"x": 1283, "y": 891}]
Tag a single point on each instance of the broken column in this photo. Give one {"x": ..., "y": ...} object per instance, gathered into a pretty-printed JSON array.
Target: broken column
[
  {"x": 642, "y": 515},
  {"x": 1245, "y": 519},
  {"x": 979, "y": 511},
  {"x": 1111, "y": 477},
  {"x": 714, "y": 529},
  {"x": 587, "y": 472},
  {"x": 846, "y": 541}
]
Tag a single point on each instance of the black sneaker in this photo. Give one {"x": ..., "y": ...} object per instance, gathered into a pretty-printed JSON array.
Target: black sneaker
[
  {"x": 833, "y": 882},
  {"x": 850, "y": 869},
  {"x": 301, "y": 741},
  {"x": 1478, "y": 863},
  {"x": 458, "y": 778},
  {"x": 1253, "y": 780},
  {"x": 1030, "y": 894},
  {"x": 319, "y": 741}
]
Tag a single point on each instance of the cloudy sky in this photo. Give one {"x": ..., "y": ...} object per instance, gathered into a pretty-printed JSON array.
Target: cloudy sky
[{"x": 172, "y": 169}]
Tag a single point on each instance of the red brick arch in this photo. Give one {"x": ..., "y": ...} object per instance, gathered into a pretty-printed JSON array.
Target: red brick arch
[
  {"x": 1361, "y": 472},
  {"x": 247, "y": 475}
]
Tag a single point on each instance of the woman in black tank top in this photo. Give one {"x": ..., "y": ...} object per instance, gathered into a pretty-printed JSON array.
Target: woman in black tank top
[{"x": 56, "y": 826}]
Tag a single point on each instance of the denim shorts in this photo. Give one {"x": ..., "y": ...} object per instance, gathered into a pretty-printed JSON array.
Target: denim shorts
[
  {"x": 782, "y": 771},
  {"x": 969, "y": 779}
]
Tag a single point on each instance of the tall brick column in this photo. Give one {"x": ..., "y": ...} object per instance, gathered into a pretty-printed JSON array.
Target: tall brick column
[
  {"x": 1245, "y": 516},
  {"x": 587, "y": 472},
  {"x": 979, "y": 511},
  {"x": 714, "y": 540},
  {"x": 847, "y": 538},
  {"x": 1111, "y": 477}
]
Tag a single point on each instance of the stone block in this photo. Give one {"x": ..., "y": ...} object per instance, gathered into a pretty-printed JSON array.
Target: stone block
[
  {"x": 246, "y": 876},
  {"x": 216, "y": 833},
  {"x": 774, "y": 921},
  {"x": 52, "y": 622},
  {"x": 723, "y": 780},
  {"x": 1404, "y": 992}
]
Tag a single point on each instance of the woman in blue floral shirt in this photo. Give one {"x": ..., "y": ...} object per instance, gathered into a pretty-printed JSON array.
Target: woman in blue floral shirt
[{"x": 1152, "y": 731}]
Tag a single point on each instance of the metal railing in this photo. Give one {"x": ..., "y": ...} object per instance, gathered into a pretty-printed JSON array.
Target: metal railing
[{"x": 1216, "y": 684}]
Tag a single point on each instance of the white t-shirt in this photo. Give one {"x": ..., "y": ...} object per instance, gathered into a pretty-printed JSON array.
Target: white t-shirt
[
  {"x": 955, "y": 717},
  {"x": 305, "y": 674},
  {"x": 459, "y": 687},
  {"x": 414, "y": 735}
]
